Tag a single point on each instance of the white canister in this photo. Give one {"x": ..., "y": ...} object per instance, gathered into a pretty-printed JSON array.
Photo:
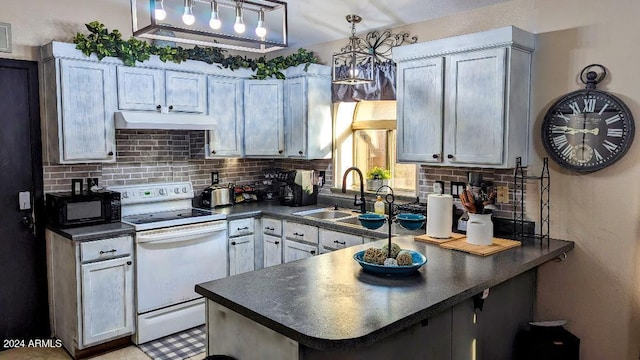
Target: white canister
[{"x": 480, "y": 229}]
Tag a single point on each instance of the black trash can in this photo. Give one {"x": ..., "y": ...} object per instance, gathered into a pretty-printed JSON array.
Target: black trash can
[{"x": 547, "y": 343}]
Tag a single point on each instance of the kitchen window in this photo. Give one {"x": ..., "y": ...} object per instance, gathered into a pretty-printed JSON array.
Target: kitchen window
[{"x": 365, "y": 137}]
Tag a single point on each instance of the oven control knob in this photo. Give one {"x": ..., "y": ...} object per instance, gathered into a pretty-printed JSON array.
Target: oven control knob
[
  {"x": 161, "y": 192},
  {"x": 125, "y": 194},
  {"x": 184, "y": 190},
  {"x": 176, "y": 190}
]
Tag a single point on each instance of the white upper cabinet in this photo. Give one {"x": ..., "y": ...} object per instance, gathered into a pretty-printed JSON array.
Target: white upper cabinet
[
  {"x": 263, "y": 118},
  {"x": 79, "y": 102},
  {"x": 465, "y": 100},
  {"x": 225, "y": 107},
  {"x": 420, "y": 97},
  {"x": 307, "y": 117},
  {"x": 161, "y": 90}
]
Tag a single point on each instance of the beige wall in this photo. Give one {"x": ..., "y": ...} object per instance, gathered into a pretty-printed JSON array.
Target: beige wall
[{"x": 597, "y": 288}]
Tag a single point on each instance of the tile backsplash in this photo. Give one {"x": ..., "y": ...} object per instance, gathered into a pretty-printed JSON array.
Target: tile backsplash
[{"x": 147, "y": 156}]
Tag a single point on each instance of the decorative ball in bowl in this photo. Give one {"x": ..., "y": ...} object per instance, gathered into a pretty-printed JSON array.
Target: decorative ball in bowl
[
  {"x": 371, "y": 220},
  {"x": 410, "y": 221}
]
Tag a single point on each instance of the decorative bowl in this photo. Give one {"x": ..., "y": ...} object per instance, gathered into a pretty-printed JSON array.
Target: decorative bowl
[
  {"x": 410, "y": 221},
  {"x": 371, "y": 220},
  {"x": 418, "y": 261}
]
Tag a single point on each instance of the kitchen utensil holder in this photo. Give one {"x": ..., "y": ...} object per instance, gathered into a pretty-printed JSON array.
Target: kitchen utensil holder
[{"x": 518, "y": 202}]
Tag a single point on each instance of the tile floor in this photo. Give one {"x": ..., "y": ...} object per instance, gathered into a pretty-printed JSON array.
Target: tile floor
[{"x": 129, "y": 353}]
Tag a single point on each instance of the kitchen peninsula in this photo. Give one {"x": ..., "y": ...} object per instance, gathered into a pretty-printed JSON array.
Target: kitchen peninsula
[{"x": 327, "y": 307}]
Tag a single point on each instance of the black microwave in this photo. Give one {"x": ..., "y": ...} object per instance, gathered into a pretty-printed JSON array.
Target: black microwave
[{"x": 87, "y": 208}]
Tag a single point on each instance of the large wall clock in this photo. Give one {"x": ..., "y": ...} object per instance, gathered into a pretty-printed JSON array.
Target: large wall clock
[{"x": 588, "y": 130}]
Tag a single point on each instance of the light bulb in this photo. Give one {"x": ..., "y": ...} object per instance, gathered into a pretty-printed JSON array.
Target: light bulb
[
  {"x": 215, "y": 22},
  {"x": 159, "y": 12},
  {"x": 261, "y": 31},
  {"x": 239, "y": 25},
  {"x": 188, "y": 17}
]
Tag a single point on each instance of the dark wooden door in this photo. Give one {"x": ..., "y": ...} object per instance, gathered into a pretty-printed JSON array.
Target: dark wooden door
[{"x": 23, "y": 278}]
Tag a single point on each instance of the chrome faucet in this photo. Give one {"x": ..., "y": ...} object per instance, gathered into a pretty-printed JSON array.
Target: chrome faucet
[{"x": 362, "y": 203}]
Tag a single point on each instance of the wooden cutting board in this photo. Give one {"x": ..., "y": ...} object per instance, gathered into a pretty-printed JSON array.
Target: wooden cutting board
[
  {"x": 431, "y": 240},
  {"x": 482, "y": 250}
]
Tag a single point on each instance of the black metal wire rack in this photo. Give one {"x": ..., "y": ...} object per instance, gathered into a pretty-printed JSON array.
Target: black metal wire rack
[{"x": 518, "y": 202}]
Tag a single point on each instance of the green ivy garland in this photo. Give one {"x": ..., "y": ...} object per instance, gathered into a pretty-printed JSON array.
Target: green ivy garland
[{"x": 104, "y": 43}]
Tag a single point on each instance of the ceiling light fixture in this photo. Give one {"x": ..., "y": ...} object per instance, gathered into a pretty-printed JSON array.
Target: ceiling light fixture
[
  {"x": 215, "y": 22},
  {"x": 261, "y": 31},
  {"x": 188, "y": 17},
  {"x": 160, "y": 14},
  {"x": 185, "y": 21},
  {"x": 239, "y": 24},
  {"x": 352, "y": 66}
]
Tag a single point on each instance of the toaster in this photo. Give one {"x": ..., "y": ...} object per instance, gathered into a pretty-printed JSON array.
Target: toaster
[{"x": 215, "y": 196}]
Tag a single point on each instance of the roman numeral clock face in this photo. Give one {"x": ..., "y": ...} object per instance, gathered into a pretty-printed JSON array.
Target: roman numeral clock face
[{"x": 587, "y": 130}]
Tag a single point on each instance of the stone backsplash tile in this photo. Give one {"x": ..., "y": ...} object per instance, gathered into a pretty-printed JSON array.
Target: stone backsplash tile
[{"x": 148, "y": 156}]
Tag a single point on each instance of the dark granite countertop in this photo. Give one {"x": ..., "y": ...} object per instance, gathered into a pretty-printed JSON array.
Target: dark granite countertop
[
  {"x": 274, "y": 209},
  {"x": 328, "y": 303},
  {"x": 95, "y": 232}
]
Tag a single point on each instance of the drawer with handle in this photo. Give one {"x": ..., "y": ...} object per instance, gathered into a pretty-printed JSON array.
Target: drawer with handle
[
  {"x": 300, "y": 232},
  {"x": 106, "y": 248},
  {"x": 272, "y": 226},
  {"x": 241, "y": 227}
]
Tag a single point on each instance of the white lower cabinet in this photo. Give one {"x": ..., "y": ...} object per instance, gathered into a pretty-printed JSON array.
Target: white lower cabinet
[
  {"x": 271, "y": 241},
  {"x": 107, "y": 298},
  {"x": 301, "y": 241},
  {"x": 241, "y": 246},
  {"x": 272, "y": 250},
  {"x": 333, "y": 240},
  {"x": 90, "y": 290},
  {"x": 295, "y": 251},
  {"x": 241, "y": 254}
]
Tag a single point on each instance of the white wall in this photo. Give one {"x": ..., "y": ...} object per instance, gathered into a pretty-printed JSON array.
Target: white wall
[
  {"x": 37, "y": 22},
  {"x": 597, "y": 288}
]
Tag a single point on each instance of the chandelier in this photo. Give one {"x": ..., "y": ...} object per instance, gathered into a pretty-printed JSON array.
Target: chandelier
[
  {"x": 255, "y": 26},
  {"x": 353, "y": 66}
]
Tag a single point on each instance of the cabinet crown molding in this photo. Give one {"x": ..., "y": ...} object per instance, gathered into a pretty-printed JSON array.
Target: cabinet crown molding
[{"x": 504, "y": 36}]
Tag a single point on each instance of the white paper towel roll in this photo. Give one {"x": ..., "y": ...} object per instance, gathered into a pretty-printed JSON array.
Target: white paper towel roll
[{"x": 439, "y": 215}]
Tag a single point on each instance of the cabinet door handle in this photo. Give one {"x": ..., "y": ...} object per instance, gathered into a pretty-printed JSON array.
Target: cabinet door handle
[
  {"x": 296, "y": 234},
  {"x": 244, "y": 228},
  {"x": 129, "y": 263},
  {"x": 110, "y": 153},
  {"x": 300, "y": 152},
  {"x": 280, "y": 151},
  {"x": 108, "y": 251},
  {"x": 158, "y": 107},
  {"x": 269, "y": 228},
  {"x": 276, "y": 242},
  {"x": 435, "y": 156},
  {"x": 170, "y": 107},
  {"x": 449, "y": 156},
  {"x": 340, "y": 242},
  {"x": 312, "y": 252},
  {"x": 213, "y": 151},
  {"x": 233, "y": 243}
]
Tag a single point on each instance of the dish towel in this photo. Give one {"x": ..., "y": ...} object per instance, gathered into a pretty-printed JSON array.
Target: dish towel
[{"x": 304, "y": 179}]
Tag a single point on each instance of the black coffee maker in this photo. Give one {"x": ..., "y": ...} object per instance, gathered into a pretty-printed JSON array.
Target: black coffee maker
[{"x": 300, "y": 188}]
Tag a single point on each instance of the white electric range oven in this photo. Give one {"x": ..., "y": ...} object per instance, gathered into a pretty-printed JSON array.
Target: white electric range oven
[{"x": 176, "y": 247}]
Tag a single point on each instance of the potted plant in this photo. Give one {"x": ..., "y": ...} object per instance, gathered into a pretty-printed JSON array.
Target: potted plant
[{"x": 376, "y": 177}]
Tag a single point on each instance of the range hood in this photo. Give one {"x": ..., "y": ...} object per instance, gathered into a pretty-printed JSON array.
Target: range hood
[{"x": 173, "y": 121}]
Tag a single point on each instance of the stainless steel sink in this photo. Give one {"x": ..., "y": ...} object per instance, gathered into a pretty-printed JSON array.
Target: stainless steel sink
[
  {"x": 324, "y": 214},
  {"x": 349, "y": 220}
]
